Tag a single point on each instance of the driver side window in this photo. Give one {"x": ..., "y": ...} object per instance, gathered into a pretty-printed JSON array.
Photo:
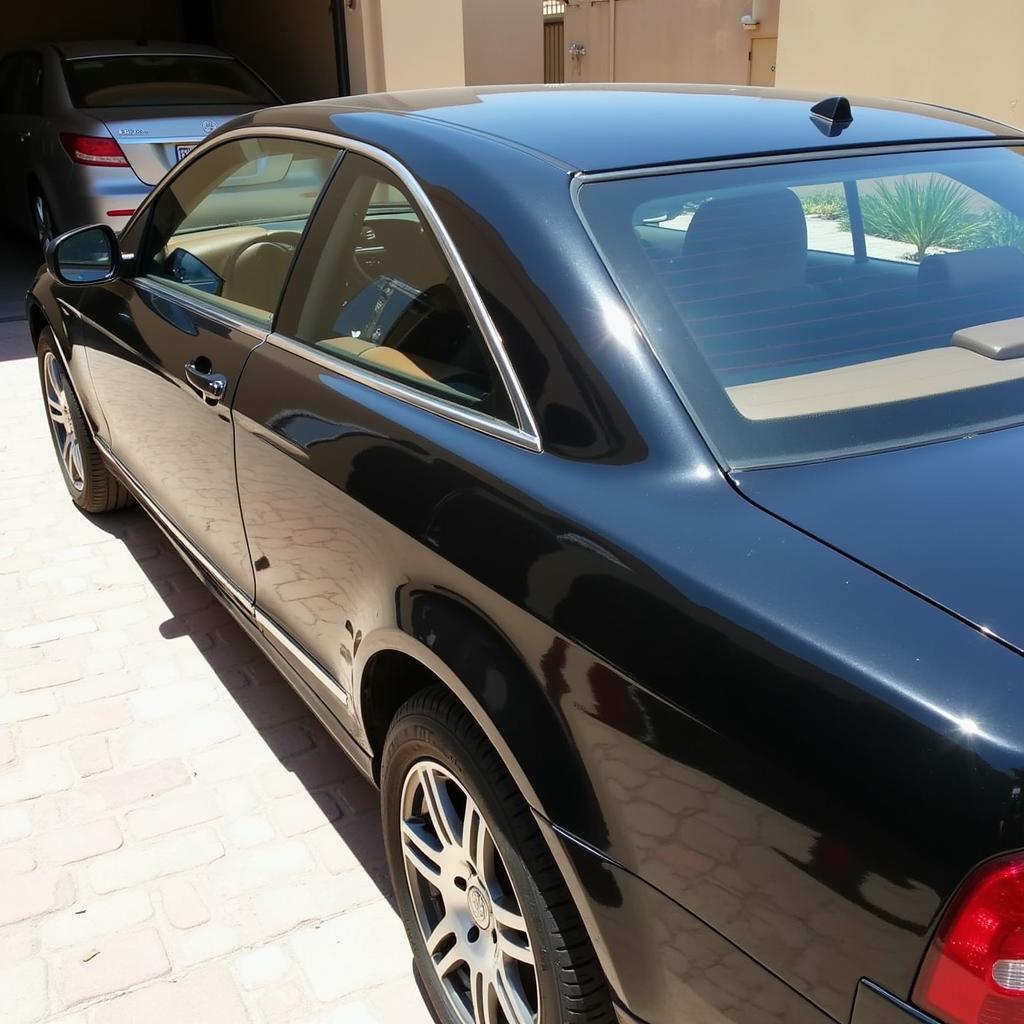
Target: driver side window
[{"x": 225, "y": 229}]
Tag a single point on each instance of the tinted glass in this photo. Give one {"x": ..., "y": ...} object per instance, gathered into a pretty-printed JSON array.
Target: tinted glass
[
  {"x": 374, "y": 288},
  {"x": 807, "y": 310},
  {"x": 226, "y": 228},
  {"x": 153, "y": 80}
]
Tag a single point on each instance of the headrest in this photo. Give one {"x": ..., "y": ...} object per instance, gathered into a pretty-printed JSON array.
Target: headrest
[
  {"x": 973, "y": 270},
  {"x": 750, "y": 243}
]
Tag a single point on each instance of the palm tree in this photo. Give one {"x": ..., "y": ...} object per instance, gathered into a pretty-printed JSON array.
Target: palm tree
[{"x": 924, "y": 213}]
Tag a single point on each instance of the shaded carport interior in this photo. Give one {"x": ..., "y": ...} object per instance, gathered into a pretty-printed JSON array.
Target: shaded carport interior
[{"x": 292, "y": 45}]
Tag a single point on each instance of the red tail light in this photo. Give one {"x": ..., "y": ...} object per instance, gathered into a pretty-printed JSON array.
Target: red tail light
[
  {"x": 91, "y": 149},
  {"x": 974, "y": 971}
]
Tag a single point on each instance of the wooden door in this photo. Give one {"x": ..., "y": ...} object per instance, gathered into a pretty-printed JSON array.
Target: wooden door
[{"x": 762, "y": 61}]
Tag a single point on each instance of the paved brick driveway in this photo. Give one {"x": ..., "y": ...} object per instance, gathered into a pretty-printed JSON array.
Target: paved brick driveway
[{"x": 179, "y": 839}]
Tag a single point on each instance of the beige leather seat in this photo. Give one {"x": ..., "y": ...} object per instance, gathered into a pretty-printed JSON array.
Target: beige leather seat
[{"x": 382, "y": 357}]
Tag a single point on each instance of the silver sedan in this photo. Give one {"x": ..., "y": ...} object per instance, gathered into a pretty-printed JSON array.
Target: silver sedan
[{"x": 86, "y": 129}]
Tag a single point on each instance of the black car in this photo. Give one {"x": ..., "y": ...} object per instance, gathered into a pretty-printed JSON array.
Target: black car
[{"x": 629, "y": 478}]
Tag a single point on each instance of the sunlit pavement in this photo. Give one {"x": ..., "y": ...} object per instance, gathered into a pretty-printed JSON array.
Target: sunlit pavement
[{"x": 179, "y": 839}]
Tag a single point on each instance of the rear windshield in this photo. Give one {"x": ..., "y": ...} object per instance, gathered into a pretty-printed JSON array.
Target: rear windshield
[
  {"x": 161, "y": 80},
  {"x": 816, "y": 309}
]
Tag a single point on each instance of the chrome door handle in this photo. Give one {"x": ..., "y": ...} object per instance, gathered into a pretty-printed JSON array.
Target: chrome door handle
[{"x": 212, "y": 385}]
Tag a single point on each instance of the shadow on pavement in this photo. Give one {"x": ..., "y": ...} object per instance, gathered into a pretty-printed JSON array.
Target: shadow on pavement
[
  {"x": 19, "y": 260},
  {"x": 278, "y": 714}
]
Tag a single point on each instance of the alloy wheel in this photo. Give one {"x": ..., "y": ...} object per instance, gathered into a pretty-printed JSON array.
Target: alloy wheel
[
  {"x": 62, "y": 424},
  {"x": 41, "y": 218},
  {"x": 466, "y": 906}
]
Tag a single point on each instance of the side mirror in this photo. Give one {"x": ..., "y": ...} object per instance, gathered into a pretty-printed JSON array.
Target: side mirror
[{"x": 84, "y": 256}]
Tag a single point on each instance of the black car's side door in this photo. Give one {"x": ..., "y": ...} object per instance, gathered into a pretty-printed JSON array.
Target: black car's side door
[
  {"x": 347, "y": 415},
  {"x": 166, "y": 347}
]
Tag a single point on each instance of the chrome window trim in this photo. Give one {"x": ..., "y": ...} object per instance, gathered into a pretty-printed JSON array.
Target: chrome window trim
[
  {"x": 406, "y": 393},
  {"x": 524, "y": 433},
  {"x": 155, "y": 286}
]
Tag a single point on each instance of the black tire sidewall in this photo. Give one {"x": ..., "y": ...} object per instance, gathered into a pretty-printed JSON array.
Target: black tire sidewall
[{"x": 418, "y": 737}]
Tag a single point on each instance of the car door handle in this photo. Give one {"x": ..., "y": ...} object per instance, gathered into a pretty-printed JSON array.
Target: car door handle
[
  {"x": 24, "y": 136},
  {"x": 212, "y": 385}
]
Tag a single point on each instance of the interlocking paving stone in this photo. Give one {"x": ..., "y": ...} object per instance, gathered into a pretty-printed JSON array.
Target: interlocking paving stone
[{"x": 179, "y": 838}]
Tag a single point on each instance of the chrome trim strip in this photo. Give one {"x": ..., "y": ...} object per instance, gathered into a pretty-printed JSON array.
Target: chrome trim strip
[
  {"x": 156, "y": 287},
  {"x": 800, "y": 156},
  {"x": 527, "y": 434},
  {"x": 310, "y": 664},
  {"x": 410, "y": 395},
  {"x": 258, "y": 616}
]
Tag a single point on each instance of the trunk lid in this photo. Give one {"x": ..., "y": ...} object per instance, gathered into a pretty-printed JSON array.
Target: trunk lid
[
  {"x": 945, "y": 520},
  {"x": 154, "y": 138}
]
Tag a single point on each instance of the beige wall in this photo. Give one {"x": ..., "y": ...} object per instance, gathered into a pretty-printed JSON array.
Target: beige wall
[
  {"x": 22, "y": 22},
  {"x": 932, "y": 50},
  {"x": 504, "y": 41},
  {"x": 666, "y": 40},
  {"x": 422, "y": 43},
  {"x": 290, "y": 44}
]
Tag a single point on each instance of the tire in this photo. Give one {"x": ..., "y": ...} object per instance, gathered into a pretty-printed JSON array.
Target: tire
[
  {"x": 435, "y": 756},
  {"x": 93, "y": 488},
  {"x": 42, "y": 218}
]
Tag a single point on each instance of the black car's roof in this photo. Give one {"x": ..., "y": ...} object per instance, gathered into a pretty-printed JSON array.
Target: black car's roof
[{"x": 594, "y": 127}]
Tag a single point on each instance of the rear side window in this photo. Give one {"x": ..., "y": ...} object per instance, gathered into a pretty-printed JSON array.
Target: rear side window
[
  {"x": 807, "y": 310},
  {"x": 154, "y": 80},
  {"x": 373, "y": 288},
  {"x": 226, "y": 228}
]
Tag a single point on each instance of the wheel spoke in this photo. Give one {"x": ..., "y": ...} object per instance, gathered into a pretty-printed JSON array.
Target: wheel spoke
[
  {"x": 442, "y": 930},
  {"x": 474, "y": 837},
  {"x": 515, "y": 947},
  {"x": 53, "y": 377},
  {"x": 452, "y": 959},
  {"x": 511, "y": 999},
  {"x": 419, "y": 852},
  {"x": 506, "y": 918},
  {"x": 65, "y": 451},
  {"x": 438, "y": 805},
  {"x": 56, "y": 410},
  {"x": 483, "y": 999},
  {"x": 77, "y": 471}
]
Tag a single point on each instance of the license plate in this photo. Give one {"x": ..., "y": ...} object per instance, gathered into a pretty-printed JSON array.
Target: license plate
[{"x": 184, "y": 150}]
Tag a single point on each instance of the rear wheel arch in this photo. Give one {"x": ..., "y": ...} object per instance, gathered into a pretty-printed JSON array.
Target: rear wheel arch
[{"x": 397, "y": 666}]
